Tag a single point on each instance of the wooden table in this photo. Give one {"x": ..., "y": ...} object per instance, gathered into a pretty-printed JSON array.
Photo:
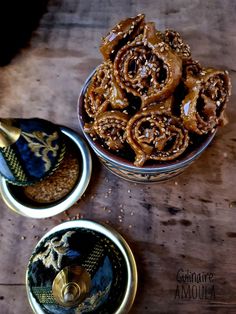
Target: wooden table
[{"x": 186, "y": 223}]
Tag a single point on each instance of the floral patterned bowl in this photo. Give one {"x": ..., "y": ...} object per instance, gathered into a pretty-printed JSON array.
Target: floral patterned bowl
[{"x": 152, "y": 172}]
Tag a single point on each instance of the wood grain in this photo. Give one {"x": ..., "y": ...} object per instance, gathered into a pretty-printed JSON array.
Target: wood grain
[{"x": 187, "y": 223}]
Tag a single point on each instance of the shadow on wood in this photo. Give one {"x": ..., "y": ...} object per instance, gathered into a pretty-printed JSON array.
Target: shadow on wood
[{"x": 17, "y": 21}]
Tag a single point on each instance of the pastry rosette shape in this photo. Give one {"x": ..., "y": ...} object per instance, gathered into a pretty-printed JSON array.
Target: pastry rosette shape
[
  {"x": 103, "y": 92},
  {"x": 191, "y": 71},
  {"x": 157, "y": 135},
  {"x": 151, "y": 75},
  {"x": 148, "y": 67},
  {"x": 123, "y": 32},
  {"x": 203, "y": 108},
  {"x": 110, "y": 127},
  {"x": 176, "y": 42}
]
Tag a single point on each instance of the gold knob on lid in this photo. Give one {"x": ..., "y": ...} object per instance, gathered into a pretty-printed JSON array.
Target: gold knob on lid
[
  {"x": 8, "y": 133},
  {"x": 71, "y": 292},
  {"x": 71, "y": 286}
]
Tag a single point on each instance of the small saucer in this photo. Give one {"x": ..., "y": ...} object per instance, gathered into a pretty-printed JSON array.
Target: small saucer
[{"x": 18, "y": 202}]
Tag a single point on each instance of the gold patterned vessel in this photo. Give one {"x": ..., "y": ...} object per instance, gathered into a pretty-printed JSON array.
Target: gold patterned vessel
[
  {"x": 35, "y": 201},
  {"x": 81, "y": 267}
]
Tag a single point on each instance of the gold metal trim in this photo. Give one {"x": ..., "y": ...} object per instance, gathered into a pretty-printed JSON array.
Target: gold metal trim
[
  {"x": 8, "y": 133},
  {"x": 71, "y": 286}
]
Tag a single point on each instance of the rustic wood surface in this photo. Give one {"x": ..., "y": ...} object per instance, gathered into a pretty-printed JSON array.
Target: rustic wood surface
[{"x": 186, "y": 223}]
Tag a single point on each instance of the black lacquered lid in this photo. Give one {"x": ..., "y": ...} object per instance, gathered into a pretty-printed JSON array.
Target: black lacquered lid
[
  {"x": 30, "y": 149},
  {"x": 100, "y": 251}
]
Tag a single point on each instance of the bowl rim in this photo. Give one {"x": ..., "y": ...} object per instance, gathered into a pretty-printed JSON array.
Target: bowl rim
[
  {"x": 49, "y": 210},
  {"x": 127, "y": 165}
]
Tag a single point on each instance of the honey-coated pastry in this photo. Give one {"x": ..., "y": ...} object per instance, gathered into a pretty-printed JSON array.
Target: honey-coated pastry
[
  {"x": 102, "y": 90},
  {"x": 124, "y": 31},
  {"x": 110, "y": 126},
  {"x": 191, "y": 72},
  {"x": 176, "y": 42},
  {"x": 191, "y": 68},
  {"x": 147, "y": 67},
  {"x": 204, "y": 105},
  {"x": 155, "y": 134},
  {"x": 151, "y": 95},
  {"x": 97, "y": 90}
]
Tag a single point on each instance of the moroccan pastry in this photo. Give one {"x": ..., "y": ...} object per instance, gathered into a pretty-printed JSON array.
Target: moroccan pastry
[
  {"x": 150, "y": 98},
  {"x": 203, "y": 107},
  {"x": 103, "y": 90},
  {"x": 155, "y": 134},
  {"x": 191, "y": 68},
  {"x": 176, "y": 42},
  {"x": 110, "y": 126},
  {"x": 147, "y": 67},
  {"x": 191, "y": 71},
  {"x": 123, "y": 32}
]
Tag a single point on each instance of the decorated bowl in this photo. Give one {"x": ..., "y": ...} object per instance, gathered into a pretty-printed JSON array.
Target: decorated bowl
[{"x": 152, "y": 171}]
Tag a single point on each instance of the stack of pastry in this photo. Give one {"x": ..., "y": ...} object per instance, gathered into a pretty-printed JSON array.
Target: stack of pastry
[{"x": 149, "y": 96}]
